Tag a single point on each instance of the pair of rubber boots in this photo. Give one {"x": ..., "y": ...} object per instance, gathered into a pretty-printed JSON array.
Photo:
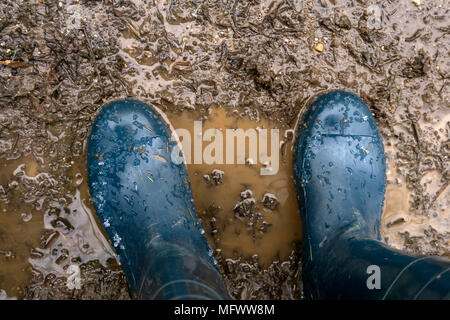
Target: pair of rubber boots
[{"x": 144, "y": 202}]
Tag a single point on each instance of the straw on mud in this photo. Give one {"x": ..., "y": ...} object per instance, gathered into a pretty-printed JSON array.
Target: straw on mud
[
  {"x": 13, "y": 64},
  {"x": 132, "y": 29},
  {"x": 146, "y": 127}
]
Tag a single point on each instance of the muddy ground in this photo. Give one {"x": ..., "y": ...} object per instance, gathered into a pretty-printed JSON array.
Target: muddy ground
[{"x": 62, "y": 60}]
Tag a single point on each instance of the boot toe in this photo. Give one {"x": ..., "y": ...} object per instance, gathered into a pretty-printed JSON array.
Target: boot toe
[{"x": 340, "y": 113}]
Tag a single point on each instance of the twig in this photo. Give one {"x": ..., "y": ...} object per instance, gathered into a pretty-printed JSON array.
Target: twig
[
  {"x": 132, "y": 29},
  {"x": 15, "y": 143},
  {"x": 291, "y": 5},
  {"x": 438, "y": 193},
  {"x": 233, "y": 18},
  {"x": 13, "y": 64}
]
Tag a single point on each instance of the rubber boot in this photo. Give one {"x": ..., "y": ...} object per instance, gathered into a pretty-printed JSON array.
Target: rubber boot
[
  {"x": 339, "y": 169},
  {"x": 143, "y": 200}
]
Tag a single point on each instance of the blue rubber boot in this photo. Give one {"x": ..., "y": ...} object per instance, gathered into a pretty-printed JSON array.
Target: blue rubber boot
[
  {"x": 340, "y": 178},
  {"x": 143, "y": 200}
]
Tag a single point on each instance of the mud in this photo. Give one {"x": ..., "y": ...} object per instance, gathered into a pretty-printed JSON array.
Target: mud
[
  {"x": 262, "y": 60},
  {"x": 245, "y": 214}
]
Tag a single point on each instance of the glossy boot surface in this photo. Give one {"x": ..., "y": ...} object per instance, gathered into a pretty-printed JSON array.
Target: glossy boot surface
[
  {"x": 144, "y": 202},
  {"x": 339, "y": 171}
]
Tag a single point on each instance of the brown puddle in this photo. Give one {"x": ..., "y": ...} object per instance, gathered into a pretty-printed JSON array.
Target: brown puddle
[
  {"x": 20, "y": 226},
  {"x": 244, "y": 227},
  {"x": 398, "y": 218},
  {"x": 40, "y": 235}
]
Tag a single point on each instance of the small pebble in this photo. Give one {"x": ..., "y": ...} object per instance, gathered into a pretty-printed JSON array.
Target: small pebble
[{"x": 319, "y": 47}]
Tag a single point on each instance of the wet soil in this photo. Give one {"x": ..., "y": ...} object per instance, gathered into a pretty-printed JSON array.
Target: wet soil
[{"x": 246, "y": 63}]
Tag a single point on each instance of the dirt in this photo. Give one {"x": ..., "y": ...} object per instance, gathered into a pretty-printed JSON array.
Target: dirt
[{"x": 254, "y": 61}]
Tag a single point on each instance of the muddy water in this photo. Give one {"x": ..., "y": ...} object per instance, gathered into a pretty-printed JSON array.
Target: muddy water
[
  {"x": 189, "y": 59},
  {"x": 20, "y": 227},
  {"x": 233, "y": 200},
  {"x": 402, "y": 226},
  {"x": 46, "y": 236}
]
